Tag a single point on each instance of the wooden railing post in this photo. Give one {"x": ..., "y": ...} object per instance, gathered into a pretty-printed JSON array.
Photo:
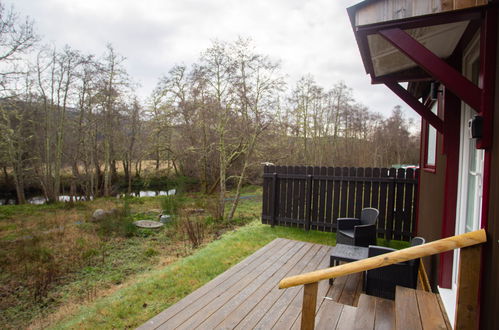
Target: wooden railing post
[
  {"x": 467, "y": 288},
  {"x": 309, "y": 306}
]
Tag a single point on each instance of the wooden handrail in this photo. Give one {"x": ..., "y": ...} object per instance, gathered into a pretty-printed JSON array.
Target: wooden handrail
[{"x": 435, "y": 247}]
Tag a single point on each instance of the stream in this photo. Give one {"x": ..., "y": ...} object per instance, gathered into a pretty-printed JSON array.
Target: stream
[{"x": 39, "y": 200}]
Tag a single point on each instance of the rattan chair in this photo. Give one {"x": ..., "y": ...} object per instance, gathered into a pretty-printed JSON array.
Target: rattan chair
[
  {"x": 381, "y": 282},
  {"x": 358, "y": 232}
]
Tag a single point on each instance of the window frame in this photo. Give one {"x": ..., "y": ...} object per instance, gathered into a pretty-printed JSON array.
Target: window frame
[{"x": 432, "y": 168}]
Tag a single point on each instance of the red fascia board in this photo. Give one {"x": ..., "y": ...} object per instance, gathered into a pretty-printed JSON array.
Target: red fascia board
[
  {"x": 452, "y": 131},
  {"x": 419, "y": 107},
  {"x": 488, "y": 44},
  {"x": 438, "y": 68}
]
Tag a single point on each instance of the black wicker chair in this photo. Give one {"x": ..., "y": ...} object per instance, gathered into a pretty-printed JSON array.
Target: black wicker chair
[
  {"x": 381, "y": 282},
  {"x": 358, "y": 232}
]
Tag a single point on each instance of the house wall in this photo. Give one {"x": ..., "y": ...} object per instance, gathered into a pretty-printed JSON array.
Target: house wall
[
  {"x": 430, "y": 204},
  {"x": 490, "y": 275}
]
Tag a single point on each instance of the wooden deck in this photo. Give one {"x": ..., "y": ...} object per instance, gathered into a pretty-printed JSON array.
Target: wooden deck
[{"x": 246, "y": 296}]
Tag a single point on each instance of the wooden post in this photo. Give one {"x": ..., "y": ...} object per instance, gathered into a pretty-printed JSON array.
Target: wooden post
[
  {"x": 309, "y": 305},
  {"x": 275, "y": 201},
  {"x": 467, "y": 288}
]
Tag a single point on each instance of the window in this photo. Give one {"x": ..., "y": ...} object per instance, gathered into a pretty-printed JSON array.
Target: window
[{"x": 430, "y": 159}]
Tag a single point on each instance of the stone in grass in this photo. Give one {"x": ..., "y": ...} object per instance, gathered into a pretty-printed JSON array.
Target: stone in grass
[
  {"x": 165, "y": 218},
  {"x": 99, "y": 215},
  {"x": 194, "y": 211},
  {"x": 149, "y": 224}
]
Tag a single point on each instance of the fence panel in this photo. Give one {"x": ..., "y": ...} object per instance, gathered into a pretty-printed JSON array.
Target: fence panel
[{"x": 314, "y": 197}]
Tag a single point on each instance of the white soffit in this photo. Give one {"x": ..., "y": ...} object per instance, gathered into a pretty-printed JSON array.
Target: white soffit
[
  {"x": 388, "y": 10},
  {"x": 441, "y": 40}
]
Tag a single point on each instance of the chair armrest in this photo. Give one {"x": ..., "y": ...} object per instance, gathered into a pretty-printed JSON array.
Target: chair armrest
[
  {"x": 375, "y": 250},
  {"x": 347, "y": 223}
]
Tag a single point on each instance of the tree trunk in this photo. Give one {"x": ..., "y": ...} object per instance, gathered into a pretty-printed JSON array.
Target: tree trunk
[
  {"x": 107, "y": 168},
  {"x": 19, "y": 183},
  {"x": 6, "y": 176}
]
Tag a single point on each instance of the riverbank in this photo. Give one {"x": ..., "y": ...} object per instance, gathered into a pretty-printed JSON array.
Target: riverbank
[
  {"x": 54, "y": 258},
  {"x": 146, "y": 186}
]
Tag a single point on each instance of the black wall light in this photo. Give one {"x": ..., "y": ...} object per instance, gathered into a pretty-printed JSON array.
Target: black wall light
[
  {"x": 434, "y": 90},
  {"x": 475, "y": 126}
]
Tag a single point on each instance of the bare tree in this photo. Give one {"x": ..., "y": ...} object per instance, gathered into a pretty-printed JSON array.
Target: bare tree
[
  {"x": 17, "y": 38},
  {"x": 256, "y": 82},
  {"x": 114, "y": 80}
]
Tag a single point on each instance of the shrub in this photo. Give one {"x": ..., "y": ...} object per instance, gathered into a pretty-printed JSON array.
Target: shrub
[
  {"x": 150, "y": 252},
  {"x": 193, "y": 228},
  {"x": 210, "y": 204},
  {"x": 172, "y": 204}
]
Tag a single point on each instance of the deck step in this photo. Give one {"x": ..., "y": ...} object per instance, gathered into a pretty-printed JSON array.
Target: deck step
[
  {"x": 347, "y": 318},
  {"x": 371, "y": 313},
  {"x": 364, "y": 318},
  {"x": 374, "y": 313},
  {"x": 329, "y": 314},
  {"x": 417, "y": 309}
]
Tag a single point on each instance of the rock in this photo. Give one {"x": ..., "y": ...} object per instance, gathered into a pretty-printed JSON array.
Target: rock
[
  {"x": 193, "y": 211},
  {"x": 99, "y": 215},
  {"x": 149, "y": 224},
  {"x": 165, "y": 218}
]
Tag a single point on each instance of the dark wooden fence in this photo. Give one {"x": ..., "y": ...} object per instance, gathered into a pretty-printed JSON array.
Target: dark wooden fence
[{"x": 314, "y": 197}]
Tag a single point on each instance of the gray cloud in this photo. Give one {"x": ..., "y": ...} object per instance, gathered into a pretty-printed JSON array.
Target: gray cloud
[{"x": 307, "y": 36}]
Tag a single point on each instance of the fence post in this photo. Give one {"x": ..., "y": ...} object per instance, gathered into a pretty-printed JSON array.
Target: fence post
[
  {"x": 274, "y": 201},
  {"x": 309, "y": 202},
  {"x": 390, "y": 212}
]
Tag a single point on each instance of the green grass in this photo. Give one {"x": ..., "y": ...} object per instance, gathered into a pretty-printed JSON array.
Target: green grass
[
  {"x": 8, "y": 211},
  {"x": 88, "y": 260},
  {"x": 157, "y": 290}
]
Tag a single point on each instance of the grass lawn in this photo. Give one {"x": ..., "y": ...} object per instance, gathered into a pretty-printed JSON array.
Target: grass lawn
[
  {"x": 53, "y": 259},
  {"x": 153, "y": 292}
]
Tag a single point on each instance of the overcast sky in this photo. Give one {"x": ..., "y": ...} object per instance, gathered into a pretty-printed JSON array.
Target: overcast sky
[{"x": 312, "y": 36}]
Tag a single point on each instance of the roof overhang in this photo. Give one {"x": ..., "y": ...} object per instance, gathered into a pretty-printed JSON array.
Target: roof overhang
[
  {"x": 440, "y": 26},
  {"x": 418, "y": 41}
]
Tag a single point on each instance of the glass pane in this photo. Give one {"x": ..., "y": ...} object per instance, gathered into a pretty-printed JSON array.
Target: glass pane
[
  {"x": 470, "y": 204},
  {"x": 472, "y": 158},
  {"x": 432, "y": 145}
]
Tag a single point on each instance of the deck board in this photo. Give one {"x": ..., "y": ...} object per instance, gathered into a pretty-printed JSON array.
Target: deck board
[
  {"x": 246, "y": 307},
  {"x": 251, "y": 320},
  {"x": 230, "y": 275},
  {"x": 240, "y": 308},
  {"x": 364, "y": 318},
  {"x": 246, "y": 296},
  {"x": 280, "y": 305},
  {"x": 245, "y": 286}
]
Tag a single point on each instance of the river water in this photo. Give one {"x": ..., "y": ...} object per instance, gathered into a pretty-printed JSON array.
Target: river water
[{"x": 39, "y": 200}]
